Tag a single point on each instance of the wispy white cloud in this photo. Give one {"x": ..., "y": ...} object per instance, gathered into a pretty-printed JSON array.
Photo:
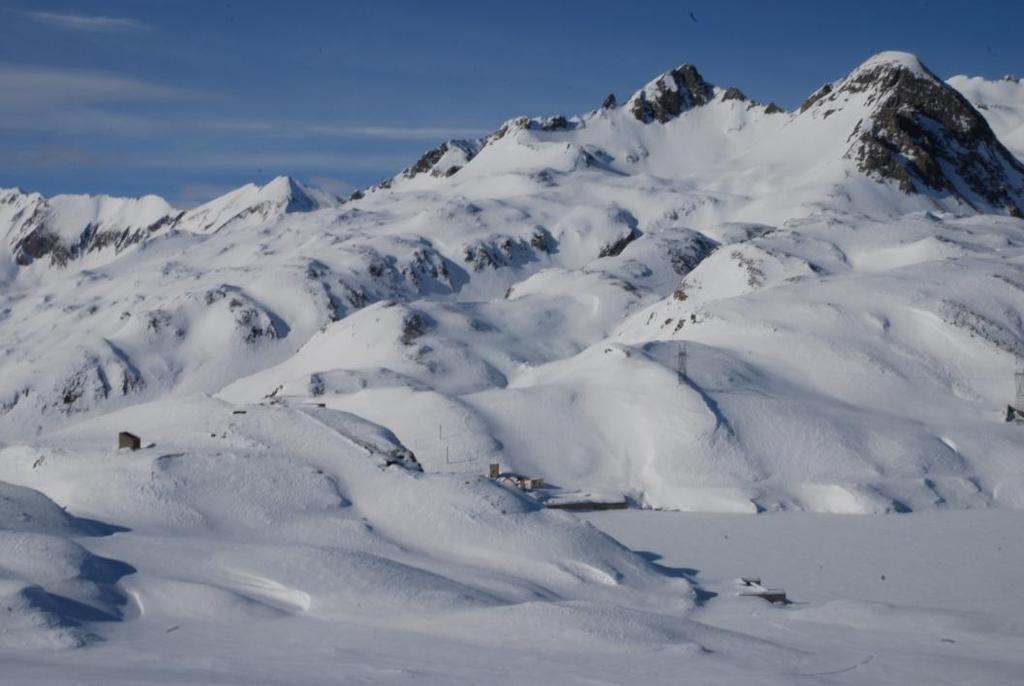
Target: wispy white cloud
[
  {"x": 64, "y": 101},
  {"x": 84, "y": 22},
  {"x": 296, "y": 129},
  {"x": 73, "y": 101},
  {"x": 276, "y": 162},
  {"x": 48, "y": 157},
  {"x": 396, "y": 132},
  {"x": 28, "y": 85}
]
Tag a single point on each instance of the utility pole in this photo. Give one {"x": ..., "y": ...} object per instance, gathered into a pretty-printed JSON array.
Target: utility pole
[
  {"x": 1020, "y": 391},
  {"x": 681, "y": 363}
]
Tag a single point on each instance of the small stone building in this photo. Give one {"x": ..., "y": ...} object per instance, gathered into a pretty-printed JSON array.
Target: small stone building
[{"x": 128, "y": 440}]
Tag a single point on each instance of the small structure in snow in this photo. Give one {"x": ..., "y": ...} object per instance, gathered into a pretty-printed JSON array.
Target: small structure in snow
[
  {"x": 586, "y": 500},
  {"x": 523, "y": 483},
  {"x": 1015, "y": 413},
  {"x": 564, "y": 504},
  {"x": 772, "y": 595},
  {"x": 128, "y": 440}
]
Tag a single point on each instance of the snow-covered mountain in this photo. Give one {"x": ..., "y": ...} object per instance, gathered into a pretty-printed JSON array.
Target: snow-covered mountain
[
  {"x": 253, "y": 205},
  {"x": 847, "y": 279},
  {"x": 91, "y": 229},
  {"x": 689, "y": 301},
  {"x": 68, "y": 228}
]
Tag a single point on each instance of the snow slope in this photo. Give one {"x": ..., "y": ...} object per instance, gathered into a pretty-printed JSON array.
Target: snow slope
[{"x": 1002, "y": 104}]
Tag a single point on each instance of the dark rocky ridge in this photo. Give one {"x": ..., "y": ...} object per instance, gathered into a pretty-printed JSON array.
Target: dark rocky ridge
[
  {"x": 39, "y": 239},
  {"x": 817, "y": 95},
  {"x": 427, "y": 163}
]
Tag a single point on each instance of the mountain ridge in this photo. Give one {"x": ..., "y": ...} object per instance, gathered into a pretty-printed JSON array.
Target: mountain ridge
[
  {"x": 538, "y": 290},
  {"x": 666, "y": 97}
]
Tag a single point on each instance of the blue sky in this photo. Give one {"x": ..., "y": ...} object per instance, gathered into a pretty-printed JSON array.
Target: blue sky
[{"x": 189, "y": 99}]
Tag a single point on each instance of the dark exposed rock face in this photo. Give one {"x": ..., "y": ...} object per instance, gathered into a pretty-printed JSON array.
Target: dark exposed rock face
[
  {"x": 610, "y": 102},
  {"x": 38, "y": 240},
  {"x": 686, "y": 256},
  {"x": 542, "y": 240},
  {"x": 671, "y": 94},
  {"x": 298, "y": 199},
  {"x": 428, "y": 163},
  {"x": 506, "y": 251},
  {"x": 253, "y": 322},
  {"x": 413, "y": 326},
  {"x": 616, "y": 248},
  {"x": 557, "y": 123},
  {"x": 927, "y": 137},
  {"x": 40, "y": 243},
  {"x": 734, "y": 94},
  {"x": 817, "y": 95}
]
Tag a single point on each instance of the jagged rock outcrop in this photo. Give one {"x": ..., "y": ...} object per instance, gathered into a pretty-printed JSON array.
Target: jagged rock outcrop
[
  {"x": 670, "y": 94},
  {"x": 66, "y": 227},
  {"x": 817, "y": 95},
  {"x": 733, "y": 93},
  {"x": 444, "y": 160}
]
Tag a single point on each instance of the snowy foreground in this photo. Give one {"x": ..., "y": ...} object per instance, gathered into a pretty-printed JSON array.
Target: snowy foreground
[
  {"x": 926, "y": 598},
  {"x": 688, "y": 302},
  {"x": 289, "y": 557}
]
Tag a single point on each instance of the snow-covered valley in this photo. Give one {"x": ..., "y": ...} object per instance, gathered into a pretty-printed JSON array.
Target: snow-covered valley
[{"x": 688, "y": 301}]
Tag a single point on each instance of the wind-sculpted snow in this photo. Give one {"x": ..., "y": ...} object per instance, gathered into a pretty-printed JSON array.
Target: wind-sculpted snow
[{"x": 300, "y": 510}]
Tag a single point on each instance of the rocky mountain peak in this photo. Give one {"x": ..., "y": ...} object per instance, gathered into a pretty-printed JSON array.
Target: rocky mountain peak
[
  {"x": 923, "y": 134},
  {"x": 671, "y": 94}
]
